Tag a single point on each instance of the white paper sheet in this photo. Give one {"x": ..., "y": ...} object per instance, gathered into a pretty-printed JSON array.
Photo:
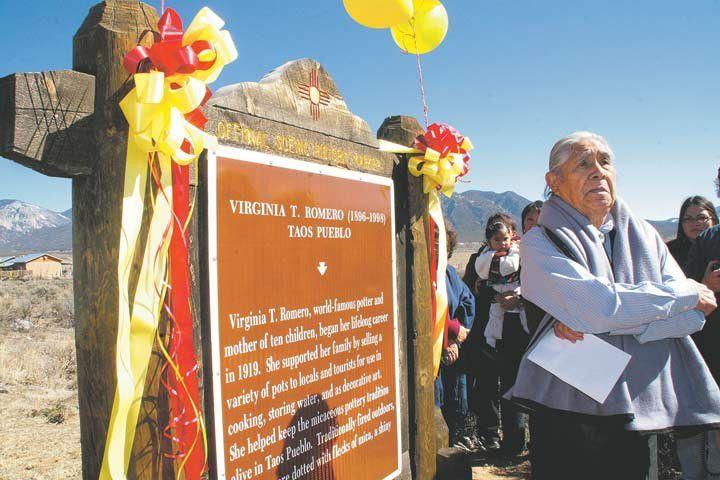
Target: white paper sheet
[{"x": 591, "y": 365}]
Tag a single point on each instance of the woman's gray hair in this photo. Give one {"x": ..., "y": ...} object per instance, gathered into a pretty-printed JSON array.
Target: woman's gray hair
[{"x": 562, "y": 149}]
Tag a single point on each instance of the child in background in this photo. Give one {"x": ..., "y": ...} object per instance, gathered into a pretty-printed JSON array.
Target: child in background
[{"x": 500, "y": 266}]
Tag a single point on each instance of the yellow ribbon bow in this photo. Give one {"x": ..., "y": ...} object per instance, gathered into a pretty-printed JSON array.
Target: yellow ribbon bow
[{"x": 439, "y": 174}]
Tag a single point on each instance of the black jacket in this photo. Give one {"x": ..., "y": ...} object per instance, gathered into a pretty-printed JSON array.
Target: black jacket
[
  {"x": 483, "y": 297},
  {"x": 705, "y": 249},
  {"x": 679, "y": 249}
]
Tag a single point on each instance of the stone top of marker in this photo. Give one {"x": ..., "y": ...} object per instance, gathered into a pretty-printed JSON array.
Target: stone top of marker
[{"x": 300, "y": 93}]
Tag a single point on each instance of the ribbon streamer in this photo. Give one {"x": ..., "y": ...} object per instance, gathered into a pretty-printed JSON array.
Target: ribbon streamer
[
  {"x": 182, "y": 381},
  {"x": 444, "y": 158},
  {"x": 166, "y": 134}
]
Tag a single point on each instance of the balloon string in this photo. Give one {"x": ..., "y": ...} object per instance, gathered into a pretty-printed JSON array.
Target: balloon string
[
  {"x": 420, "y": 76},
  {"x": 162, "y": 7}
]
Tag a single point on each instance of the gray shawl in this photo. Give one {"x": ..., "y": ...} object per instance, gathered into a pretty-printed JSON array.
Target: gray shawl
[{"x": 666, "y": 384}]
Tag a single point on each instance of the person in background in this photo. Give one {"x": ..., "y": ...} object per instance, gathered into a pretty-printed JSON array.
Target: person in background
[
  {"x": 699, "y": 454},
  {"x": 696, "y": 215},
  {"x": 596, "y": 268},
  {"x": 451, "y": 384},
  {"x": 482, "y": 368},
  {"x": 530, "y": 215},
  {"x": 529, "y": 218}
]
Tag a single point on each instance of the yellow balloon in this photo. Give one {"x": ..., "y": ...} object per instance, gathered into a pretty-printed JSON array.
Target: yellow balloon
[
  {"x": 425, "y": 31},
  {"x": 379, "y": 13}
]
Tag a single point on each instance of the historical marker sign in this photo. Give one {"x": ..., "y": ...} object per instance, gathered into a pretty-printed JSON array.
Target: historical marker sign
[{"x": 303, "y": 319}]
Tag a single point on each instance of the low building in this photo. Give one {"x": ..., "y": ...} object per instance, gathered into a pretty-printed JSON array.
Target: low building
[
  {"x": 67, "y": 268},
  {"x": 39, "y": 265}
]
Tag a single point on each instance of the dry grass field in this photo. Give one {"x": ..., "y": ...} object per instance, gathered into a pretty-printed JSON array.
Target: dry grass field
[
  {"x": 39, "y": 427},
  {"x": 462, "y": 255}
]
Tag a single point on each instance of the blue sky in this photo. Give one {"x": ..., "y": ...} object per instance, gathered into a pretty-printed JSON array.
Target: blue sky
[{"x": 514, "y": 76}]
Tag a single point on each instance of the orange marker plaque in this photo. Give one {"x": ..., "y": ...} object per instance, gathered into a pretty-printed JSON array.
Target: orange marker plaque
[{"x": 303, "y": 320}]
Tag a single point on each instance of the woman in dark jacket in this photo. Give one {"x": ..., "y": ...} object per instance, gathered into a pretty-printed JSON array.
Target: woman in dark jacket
[
  {"x": 699, "y": 454},
  {"x": 696, "y": 215}
]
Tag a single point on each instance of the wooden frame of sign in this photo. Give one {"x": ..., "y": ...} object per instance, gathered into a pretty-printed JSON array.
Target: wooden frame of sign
[
  {"x": 303, "y": 319},
  {"x": 297, "y": 112}
]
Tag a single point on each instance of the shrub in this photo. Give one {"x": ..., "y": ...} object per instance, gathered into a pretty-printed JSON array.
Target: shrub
[{"x": 49, "y": 300}]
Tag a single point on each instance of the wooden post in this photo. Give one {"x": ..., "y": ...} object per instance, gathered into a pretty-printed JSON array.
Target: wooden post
[
  {"x": 411, "y": 231},
  {"x": 69, "y": 124},
  {"x": 111, "y": 29},
  {"x": 653, "y": 446}
]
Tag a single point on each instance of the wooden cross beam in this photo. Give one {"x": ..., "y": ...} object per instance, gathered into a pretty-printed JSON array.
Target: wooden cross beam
[
  {"x": 46, "y": 121},
  {"x": 68, "y": 124}
]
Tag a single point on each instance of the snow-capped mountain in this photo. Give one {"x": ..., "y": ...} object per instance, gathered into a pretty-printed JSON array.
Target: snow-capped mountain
[
  {"x": 25, "y": 228},
  {"x": 18, "y": 216}
]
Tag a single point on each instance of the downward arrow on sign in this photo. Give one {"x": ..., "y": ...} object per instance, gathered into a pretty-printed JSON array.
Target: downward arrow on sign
[{"x": 322, "y": 268}]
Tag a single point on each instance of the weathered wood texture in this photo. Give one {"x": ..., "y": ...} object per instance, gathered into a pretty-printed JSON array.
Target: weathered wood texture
[
  {"x": 201, "y": 238},
  {"x": 45, "y": 121},
  {"x": 300, "y": 93},
  {"x": 411, "y": 232},
  {"x": 275, "y": 116},
  {"x": 111, "y": 29}
]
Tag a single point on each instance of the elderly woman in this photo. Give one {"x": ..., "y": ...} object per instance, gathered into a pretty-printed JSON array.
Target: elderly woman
[
  {"x": 696, "y": 215},
  {"x": 596, "y": 268}
]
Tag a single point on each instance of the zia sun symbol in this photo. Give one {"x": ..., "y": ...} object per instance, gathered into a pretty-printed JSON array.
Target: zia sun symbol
[{"x": 311, "y": 92}]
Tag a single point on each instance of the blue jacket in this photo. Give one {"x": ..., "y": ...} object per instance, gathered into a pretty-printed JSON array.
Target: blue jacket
[{"x": 461, "y": 301}]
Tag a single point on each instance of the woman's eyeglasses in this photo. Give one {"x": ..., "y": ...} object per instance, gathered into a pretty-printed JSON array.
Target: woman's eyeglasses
[{"x": 705, "y": 219}]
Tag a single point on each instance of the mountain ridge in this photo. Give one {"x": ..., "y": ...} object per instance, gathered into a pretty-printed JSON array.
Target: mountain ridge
[
  {"x": 468, "y": 211},
  {"x": 28, "y": 228}
]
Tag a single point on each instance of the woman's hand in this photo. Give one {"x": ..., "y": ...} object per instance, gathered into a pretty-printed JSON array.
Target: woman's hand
[
  {"x": 462, "y": 334},
  {"x": 566, "y": 333},
  {"x": 452, "y": 353},
  {"x": 508, "y": 300},
  {"x": 712, "y": 276}
]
